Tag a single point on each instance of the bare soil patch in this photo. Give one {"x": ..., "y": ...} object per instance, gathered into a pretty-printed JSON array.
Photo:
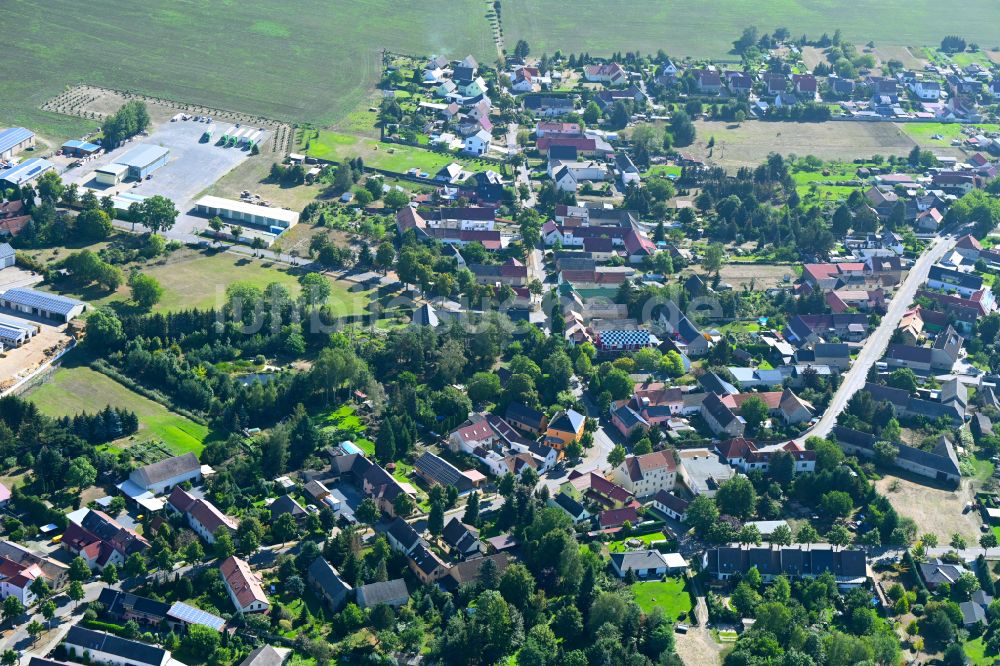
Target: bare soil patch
[
  {"x": 934, "y": 509},
  {"x": 749, "y": 143}
]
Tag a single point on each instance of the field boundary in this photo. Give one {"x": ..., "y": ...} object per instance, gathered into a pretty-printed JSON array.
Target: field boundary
[
  {"x": 73, "y": 102},
  {"x": 40, "y": 372}
]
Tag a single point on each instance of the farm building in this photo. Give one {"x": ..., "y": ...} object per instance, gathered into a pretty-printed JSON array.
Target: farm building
[
  {"x": 41, "y": 304},
  {"x": 7, "y": 256},
  {"x": 111, "y": 174},
  {"x": 15, "y": 332},
  {"x": 144, "y": 160},
  {"x": 25, "y": 172},
  {"x": 78, "y": 148},
  {"x": 14, "y": 140},
  {"x": 275, "y": 220}
]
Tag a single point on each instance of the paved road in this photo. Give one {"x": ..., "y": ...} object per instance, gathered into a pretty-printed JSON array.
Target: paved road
[
  {"x": 595, "y": 459},
  {"x": 874, "y": 347},
  {"x": 67, "y": 613}
]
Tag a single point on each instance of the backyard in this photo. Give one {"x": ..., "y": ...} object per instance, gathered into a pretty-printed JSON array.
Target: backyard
[
  {"x": 75, "y": 389},
  {"x": 671, "y": 595}
]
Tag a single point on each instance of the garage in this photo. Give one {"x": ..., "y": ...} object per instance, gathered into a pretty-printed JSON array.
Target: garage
[{"x": 111, "y": 174}]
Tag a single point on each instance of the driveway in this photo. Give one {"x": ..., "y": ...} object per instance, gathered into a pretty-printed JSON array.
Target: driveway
[{"x": 875, "y": 346}]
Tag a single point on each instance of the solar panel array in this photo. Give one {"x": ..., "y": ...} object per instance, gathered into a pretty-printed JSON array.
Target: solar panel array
[
  {"x": 40, "y": 300},
  {"x": 191, "y": 615}
]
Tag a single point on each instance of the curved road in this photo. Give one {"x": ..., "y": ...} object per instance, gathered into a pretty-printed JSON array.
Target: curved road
[{"x": 854, "y": 379}]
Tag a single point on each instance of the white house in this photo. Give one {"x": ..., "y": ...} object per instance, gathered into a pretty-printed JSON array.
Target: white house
[
  {"x": 244, "y": 586},
  {"x": 478, "y": 143},
  {"x": 104, "y": 648},
  {"x": 6, "y": 256},
  {"x": 16, "y": 580},
  {"x": 648, "y": 474},
  {"x": 203, "y": 516},
  {"x": 642, "y": 563},
  {"x": 160, "y": 476}
]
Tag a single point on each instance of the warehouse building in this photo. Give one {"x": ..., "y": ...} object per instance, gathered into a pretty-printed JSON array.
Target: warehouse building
[
  {"x": 275, "y": 220},
  {"x": 15, "y": 332},
  {"x": 144, "y": 160},
  {"x": 41, "y": 304},
  {"x": 25, "y": 172},
  {"x": 14, "y": 140},
  {"x": 111, "y": 174},
  {"x": 78, "y": 148}
]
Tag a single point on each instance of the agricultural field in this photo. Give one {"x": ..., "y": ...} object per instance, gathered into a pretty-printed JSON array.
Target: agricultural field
[
  {"x": 75, "y": 389},
  {"x": 671, "y": 595},
  {"x": 678, "y": 27},
  {"x": 749, "y": 144},
  {"x": 311, "y": 62},
  {"x": 193, "y": 279}
]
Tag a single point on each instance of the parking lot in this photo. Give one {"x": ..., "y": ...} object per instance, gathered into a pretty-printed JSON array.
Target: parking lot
[{"x": 191, "y": 168}]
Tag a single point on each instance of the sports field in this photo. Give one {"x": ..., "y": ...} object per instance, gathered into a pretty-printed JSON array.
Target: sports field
[
  {"x": 76, "y": 389},
  {"x": 311, "y": 61},
  {"x": 707, "y": 28}
]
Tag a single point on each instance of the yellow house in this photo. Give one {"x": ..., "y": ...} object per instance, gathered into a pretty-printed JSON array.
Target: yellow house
[{"x": 566, "y": 426}]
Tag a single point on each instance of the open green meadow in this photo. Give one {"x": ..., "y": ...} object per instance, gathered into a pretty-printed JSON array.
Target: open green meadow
[
  {"x": 192, "y": 279},
  {"x": 707, "y": 28},
  {"x": 337, "y": 146},
  {"x": 76, "y": 389},
  {"x": 313, "y": 61}
]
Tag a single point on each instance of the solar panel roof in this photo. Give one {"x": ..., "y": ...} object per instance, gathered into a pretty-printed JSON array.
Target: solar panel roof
[
  {"x": 41, "y": 300},
  {"x": 192, "y": 615}
]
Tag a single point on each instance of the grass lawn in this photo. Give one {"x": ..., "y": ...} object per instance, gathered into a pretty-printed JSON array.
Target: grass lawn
[
  {"x": 663, "y": 170},
  {"x": 646, "y": 539},
  {"x": 313, "y": 64},
  {"x": 678, "y": 26},
  {"x": 76, "y": 389},
  {"x": 337, "y": 146},
  {"x": 922, "y": 132},
  {"x": 976, "y": 652},
  {"x": 670, "y": 595},
  {"x": 198, "y": 279}
]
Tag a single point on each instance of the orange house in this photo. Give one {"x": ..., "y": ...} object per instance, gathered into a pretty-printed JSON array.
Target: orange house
[{"x": 566, "y": 426}]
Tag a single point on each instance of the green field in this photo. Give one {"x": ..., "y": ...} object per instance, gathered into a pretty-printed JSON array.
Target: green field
[
  {"x": 193, "y": 279},
  {"x": 77, "y": 389},
  {"x": 313, "y": 61},
  {"x": 707, "y": 28},
  {"x": 670, "y": 595},
  {"x": 922, "y": 132},
  {"x": 337, "y": 146}
]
